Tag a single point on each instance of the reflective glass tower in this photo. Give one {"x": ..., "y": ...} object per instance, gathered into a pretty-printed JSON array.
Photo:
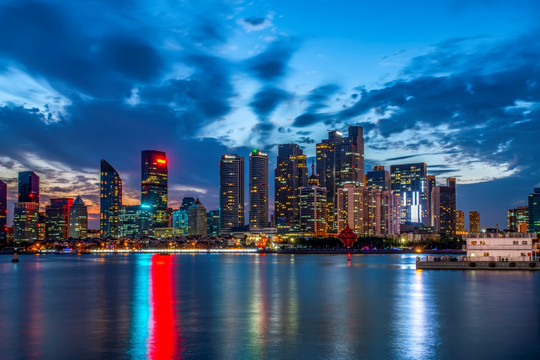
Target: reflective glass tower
[
  {"x": 258, "y": 190},
  {"x": 154, "y": 184},
  {"x": 231, "y": 193},
  {"x": 28, "y": 187},
  {"x": 409, "y": 181},
  {"x": 110, "y": 200}
]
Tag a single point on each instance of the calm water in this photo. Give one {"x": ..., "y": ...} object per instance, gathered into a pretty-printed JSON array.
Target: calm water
[{"x": 262, "y": 307}]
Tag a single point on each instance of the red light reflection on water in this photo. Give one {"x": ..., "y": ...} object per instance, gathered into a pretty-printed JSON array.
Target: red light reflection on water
[{"x": 163, "y": 339}]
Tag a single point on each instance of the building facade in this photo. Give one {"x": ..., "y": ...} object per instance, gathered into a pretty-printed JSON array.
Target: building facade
[
  {"x": 136, "y": 221},
  {"x": 409, "y": 181},
  {"x": 212, "y": 223},
  {"x": 25, "y": 222},
  {"x": 443, "y": 208},
  {"x": 495, "y": 247},
  {"x": 231, "y": 193},
  {"x": 3, "y": 213},
  {"x": 518, "y": 219},
  {"x": 78, "y": 219},
  {"x": 378, "y": 178},
  {"x": 57, "y": 219},
  {"x": 290, "y": 176},
  {"x": 110, "y": 200},
  {"x": 474, "y": 222},
  {"x": 460, "y": 223},
  {"x": 28, "y": 187},
  {"x": 197, "y": 224},
  {"x": 534, "y": 211},
  {"x": 154, "y": 185},
  {"x": 258, "y": 190}
]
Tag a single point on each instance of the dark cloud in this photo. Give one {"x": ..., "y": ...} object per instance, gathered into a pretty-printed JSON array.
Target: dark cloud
[
  {"x": 271, "y": 65},
  {"x": 255, "y": 21},
  {"x": 267, "y": 100}
]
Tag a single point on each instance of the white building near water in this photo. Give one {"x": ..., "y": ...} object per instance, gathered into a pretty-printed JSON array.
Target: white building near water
[{"x": 500, "y": 247}]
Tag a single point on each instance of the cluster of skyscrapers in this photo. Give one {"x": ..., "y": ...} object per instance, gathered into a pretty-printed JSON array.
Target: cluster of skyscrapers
[{"x": 337, "y": 194}]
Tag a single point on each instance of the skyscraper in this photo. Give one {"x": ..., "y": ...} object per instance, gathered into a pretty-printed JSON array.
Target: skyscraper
[
  {"x": 154, "y": 184},
  {"x": 431, "y": 183},
  {"x": 78, "y": 219},
  {"x": 378, "y": 178},
  {"x": 212, "y": 223},
  {"x": 409, "y": 181},
  {"x": 3, "y": 213},
  {"x": 534, "y": 211},
  {"x": 197, "y": 219},
  {"x": 57, "y": 219},
  {"x": 290, "y": 176},
  {"x": 231, "y": 193},
  {"x": 28, "y": 187},
  {"x": 313, "y": 207},
  {"x": 518, "y": 219},
  {"x": 443, "y": 208},
  {"x": 460, "y": 223},
  {"x": 110, "y": 200},
  {"x": 135, "y": 221},
  {"x": 340, "y": 160},
  {"x": 474, "y": 222},
  {"x": 258, "y": 190},
  {"x": 25, "y": 222}
]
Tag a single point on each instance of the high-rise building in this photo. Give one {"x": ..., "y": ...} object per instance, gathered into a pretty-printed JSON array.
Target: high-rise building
[
  {"x": 443, "y": 208},
  {"x": 3, "y": 213},
  {"x": 340, "y": 160},
  {"x": 313, "y": 207},
  {"x": 460, "y": 223},
  {"x": 258, "y": 190},
  {"x": 78, "y": 219},
  {"x": 290, "y": 176},
  {"x": 57, "y": 219},
  {"x": 378, "y": 178},
  {"x": 110, "y": 200},
  {"x": 474, "y": 222},
  {"x": 197, "y": 219},
  {"x": 518, "y": 219},
  {"x": 231, "y": 193},
  {"x": 136, "y": 221},
  {"x": 154, "y": 184},
  {"x": 534, "y": 211},
  {"x": 28, "y": 187},
  {"x": 409, "y": 181},
  {"x": 212, "y": 223},
  {"x": 352, "y": 207},
  {"x": 431, "y": 183},
  {"x": 181, "y": 216},
  {"x": 25, "y": 222}
]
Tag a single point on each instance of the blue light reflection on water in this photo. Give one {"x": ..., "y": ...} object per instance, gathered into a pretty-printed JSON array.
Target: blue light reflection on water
[{"x": 263, "y": 306}]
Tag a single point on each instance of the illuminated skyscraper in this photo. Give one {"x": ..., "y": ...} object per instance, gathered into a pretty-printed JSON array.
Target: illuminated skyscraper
[
  {"x": 28, "y": 187},
  {"x": 518, "y": 219},
  {"x": 290, "y": 176},
  {"x": 443, "y": 208},
  {"x": 212, "y": 223},
  {"x": 474, "y": 222},
  {"x": 154, "y": 184},
  {"x": 313, "y": 207},
  {"x": 258, "y": 190},
  {"x": 136, "y": 221},
  {"x": 534, "y": 211},
  {"x": 378, "y": 178},
  {"x": 57, "y": 219},
  {"x": 78, "y": 219},
  {"x": 340, "y": 160},
  {"x": 409, "y": 181},
  {"x": 110, "y": 200},
  {"x": 231, "y": 193},
  {"x": 431, "y": 183},
  {"x": 460, "y": 223},
  {"x": 25, "y": 222},
  {"x": 3, "y": 213}
]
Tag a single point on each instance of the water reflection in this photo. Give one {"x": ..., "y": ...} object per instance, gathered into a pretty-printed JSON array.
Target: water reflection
[
  {"x": 164, "y": 341},
  {"x": 416, "y": 325}
]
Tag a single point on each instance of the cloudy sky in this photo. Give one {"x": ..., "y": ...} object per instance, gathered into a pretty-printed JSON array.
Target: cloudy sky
[{"x": 453, "y": 83}]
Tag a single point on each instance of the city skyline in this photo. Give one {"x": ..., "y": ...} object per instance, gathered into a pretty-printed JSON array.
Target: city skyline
[{"x": 222, "y": 78}]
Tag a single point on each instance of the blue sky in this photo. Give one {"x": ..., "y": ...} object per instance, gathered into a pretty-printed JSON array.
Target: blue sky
[{"x": 452, "y": 83}]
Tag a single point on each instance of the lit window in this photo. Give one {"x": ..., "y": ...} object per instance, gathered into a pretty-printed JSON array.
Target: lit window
[
  {"x": 524, "y": 242},
  {"x": 486, "y": 254}
]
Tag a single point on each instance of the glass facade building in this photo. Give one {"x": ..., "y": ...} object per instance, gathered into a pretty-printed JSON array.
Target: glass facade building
[
  {"x": 28, "y": 187},
  {"x": 258, "y": 190},
  {"x": 409, "y": 181},
  {"x": 154, "y": 180},
  {"x": 78, "y": 219},
  {"x": 534, "y": 211},
  {"x": 231, "y": 193},
  {"x": 110, "y": 200}
]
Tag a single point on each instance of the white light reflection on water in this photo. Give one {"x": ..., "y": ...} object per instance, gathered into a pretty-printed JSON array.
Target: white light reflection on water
[{"x": 415, "y": 329}]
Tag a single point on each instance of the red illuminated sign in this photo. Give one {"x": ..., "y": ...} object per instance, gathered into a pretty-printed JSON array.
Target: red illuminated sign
[{"x": 161, "y": 161}]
